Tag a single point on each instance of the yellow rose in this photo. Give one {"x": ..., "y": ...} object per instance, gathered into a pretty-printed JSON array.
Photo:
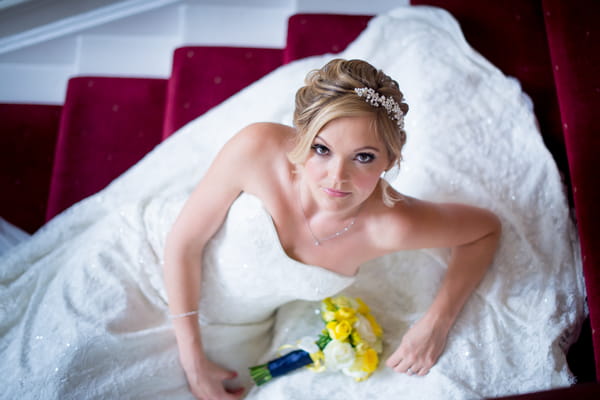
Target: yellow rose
[
  {"x": 345, "y": 313},
  {"x": 342, "y": 301},
  {"x": 368, "y": 360},
  {"x": 327, "y": 305},
  {"x": 328, "y": 316},
  {"x": 362, "y": 307},
  {"x": 356, "y": 339},
  {"x": 339, "y": 330},
  {"x": 365, "y": 363},
  {"x": 374, "y": 325}
]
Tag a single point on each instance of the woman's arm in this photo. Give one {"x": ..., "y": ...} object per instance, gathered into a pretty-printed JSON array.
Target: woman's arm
[
  {"x": 473, "y": 236},
  {"x": 200, "y": 218}
]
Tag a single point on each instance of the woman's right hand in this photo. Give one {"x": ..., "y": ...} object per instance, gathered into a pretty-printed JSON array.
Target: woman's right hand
[{"x": 206, "y": 379}]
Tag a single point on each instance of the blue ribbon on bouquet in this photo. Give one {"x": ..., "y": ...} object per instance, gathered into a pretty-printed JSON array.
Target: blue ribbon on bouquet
[{"x": 296, "y": 359}]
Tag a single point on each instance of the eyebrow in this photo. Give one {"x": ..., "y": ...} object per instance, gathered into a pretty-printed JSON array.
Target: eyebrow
[{"x": 357, "y": 150}]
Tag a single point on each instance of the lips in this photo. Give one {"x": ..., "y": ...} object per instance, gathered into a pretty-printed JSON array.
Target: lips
[{"x": 335, "y": 193}]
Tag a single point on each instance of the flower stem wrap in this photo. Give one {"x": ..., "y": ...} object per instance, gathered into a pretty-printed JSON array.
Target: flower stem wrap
[{"x": 280, "y": 366}]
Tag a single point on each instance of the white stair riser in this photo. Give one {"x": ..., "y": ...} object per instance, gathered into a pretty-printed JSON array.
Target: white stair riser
[
  {"x": 236, "y": 26},
  {"x": 43, "y": 84},
  {"x": 126, "y": 56}
]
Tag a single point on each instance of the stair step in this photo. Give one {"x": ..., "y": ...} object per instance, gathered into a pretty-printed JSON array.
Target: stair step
[
  {"x": 141, "y": 56},
  {"x": 239, "y": 26},
  {"x": 203, "y": 77},
  {"x": 573, "y": 32},
  {"x": 315, "y": 34},
  {"x": 107, "y": 125},
  {"x": 42, "y": 84},
  {"x": 28, "y": 139}
]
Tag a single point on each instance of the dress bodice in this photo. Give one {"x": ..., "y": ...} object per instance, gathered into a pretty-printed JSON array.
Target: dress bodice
[{"x": 247, "y": 273}]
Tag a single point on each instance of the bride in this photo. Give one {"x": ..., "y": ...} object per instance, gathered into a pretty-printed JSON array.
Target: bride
[
  {"x": 321, "y": 184},
  {"x": 213, "y": 251}
]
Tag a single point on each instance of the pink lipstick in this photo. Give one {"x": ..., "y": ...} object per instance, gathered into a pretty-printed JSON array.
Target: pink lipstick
[{"x": 335, "y": 193}]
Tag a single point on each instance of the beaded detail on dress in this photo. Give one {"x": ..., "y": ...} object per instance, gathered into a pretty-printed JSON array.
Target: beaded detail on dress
[{"x": 248, "y": 273}]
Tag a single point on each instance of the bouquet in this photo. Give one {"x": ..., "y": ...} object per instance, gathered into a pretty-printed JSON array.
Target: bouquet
[{"x": 350, "y": 342}]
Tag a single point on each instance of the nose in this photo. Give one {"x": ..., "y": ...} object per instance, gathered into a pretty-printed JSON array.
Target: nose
[{"x": 338, "y": 170}]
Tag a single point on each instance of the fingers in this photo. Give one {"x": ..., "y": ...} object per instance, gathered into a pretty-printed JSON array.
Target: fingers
[
  {"x": 227, "y": 375},
  {"x": 419, "y": 371},
  {"x": 229, "y": 393},
  {"x": 212, "y": 387},
  {"x": 394, "y": 359},
  {"x": 419, "y": 349},
  {"x": 235, "y": 393},
  {"x": 399, "y": 361},
  {"x": 404, "y": 365},
  {"x": 232, "y": 394},
  {"x": 407, "y": 364},
  {"x": 218, "y": 393},
  {"x": 410, "y": 368}
]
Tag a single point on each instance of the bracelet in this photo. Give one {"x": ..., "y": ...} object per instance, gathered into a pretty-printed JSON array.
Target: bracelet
[{"x": 187, "y": 314}]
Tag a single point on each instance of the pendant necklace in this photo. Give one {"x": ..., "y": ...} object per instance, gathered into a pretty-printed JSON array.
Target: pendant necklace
[{"x": 318, "y": 241}]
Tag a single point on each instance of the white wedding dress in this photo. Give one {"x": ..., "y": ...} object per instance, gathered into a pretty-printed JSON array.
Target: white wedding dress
[
  {"x": 99, "y": 328},
  {"x": 83, "y": 311}
]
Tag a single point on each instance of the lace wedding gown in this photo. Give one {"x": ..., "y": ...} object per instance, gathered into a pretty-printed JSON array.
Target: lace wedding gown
[
  {"x": 83, "y": 312},
  {"x": 100, "y": 329}
]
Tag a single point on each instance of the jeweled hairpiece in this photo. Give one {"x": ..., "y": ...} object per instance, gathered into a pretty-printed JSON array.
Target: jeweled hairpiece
[{"x": 391, "y": 106}]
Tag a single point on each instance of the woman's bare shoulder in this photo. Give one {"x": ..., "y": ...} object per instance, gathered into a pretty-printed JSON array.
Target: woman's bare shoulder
[
  {"x": 389, "y": 226},
  {"x": 415, "y": 223},
  {"x": 264, "y": 133},
  {"x": 259, "y": 153},
  {"x": 256, "y": 144}
]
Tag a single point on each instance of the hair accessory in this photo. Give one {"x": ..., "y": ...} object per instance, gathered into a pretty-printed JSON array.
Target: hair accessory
[
  {"x": 187, "y": 314},
  {"x": 391, "y": 106}
]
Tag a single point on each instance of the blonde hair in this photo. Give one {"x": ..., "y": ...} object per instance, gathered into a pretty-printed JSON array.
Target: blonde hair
[{"x": 329, "y": 94}]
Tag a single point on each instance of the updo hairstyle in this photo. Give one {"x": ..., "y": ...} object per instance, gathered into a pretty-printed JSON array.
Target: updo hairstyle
[{"x": 329, "y": 94}]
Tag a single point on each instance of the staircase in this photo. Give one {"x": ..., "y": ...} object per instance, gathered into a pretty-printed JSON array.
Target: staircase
[
  {"x": 126, "y": 90},
  {"x": 79, "y": 109}
]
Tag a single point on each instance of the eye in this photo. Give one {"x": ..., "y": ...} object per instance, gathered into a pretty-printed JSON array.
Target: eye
[
  {"x": 320, "y": 149},
  {"x": 365, "y": 158}
]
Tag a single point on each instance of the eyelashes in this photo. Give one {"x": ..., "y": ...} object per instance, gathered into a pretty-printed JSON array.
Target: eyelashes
[
  {"x": 365, "y": 158},
  {"x": 319, "y": 149},
  {"x": 362, "y": 158}
]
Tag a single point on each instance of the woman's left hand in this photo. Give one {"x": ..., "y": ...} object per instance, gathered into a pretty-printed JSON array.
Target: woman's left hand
[{"x": 420, "y": 348}]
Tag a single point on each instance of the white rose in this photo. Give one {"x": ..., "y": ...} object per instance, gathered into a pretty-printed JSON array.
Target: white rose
[
  {"x": 338, "y": 355},
  {"x": 365, "y": 331},
  {"x": 355, "y": 373}
]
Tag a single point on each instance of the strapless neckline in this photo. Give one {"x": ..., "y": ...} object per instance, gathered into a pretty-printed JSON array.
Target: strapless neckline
[{"x": 274, "y": 236}]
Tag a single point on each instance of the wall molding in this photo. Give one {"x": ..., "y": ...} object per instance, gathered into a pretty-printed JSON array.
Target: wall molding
[{"x": 79, "y": 22}]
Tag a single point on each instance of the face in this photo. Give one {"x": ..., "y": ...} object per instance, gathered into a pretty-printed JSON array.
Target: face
[{"x": 345, "y": 163}]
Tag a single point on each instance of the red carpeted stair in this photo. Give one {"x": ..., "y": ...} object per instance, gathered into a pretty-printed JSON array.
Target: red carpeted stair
[
  {"x": 203, "y": 77},
  {"x": 314, "y": 34},
  {"x": 108, "y": 124},
  {"x": 574, "y": 42},
  {"x": 27, "y": 143}
]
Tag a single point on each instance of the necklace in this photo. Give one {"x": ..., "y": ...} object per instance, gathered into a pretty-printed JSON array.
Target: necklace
[{"x": 318, "y": 241}]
